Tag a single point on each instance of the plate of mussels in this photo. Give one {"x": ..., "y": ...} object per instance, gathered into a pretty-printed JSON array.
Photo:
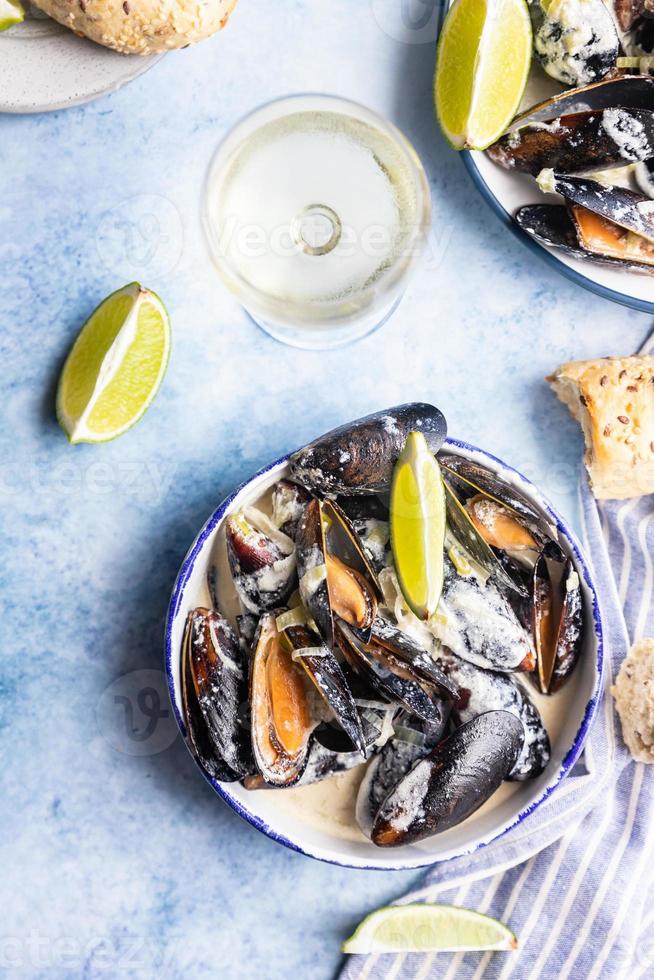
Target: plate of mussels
[
  {"x": 328, "y": 714},
  {"x": 573, "y": 175}
]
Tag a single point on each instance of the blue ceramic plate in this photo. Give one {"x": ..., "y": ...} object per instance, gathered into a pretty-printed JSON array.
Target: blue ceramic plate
[{"x": 570, "y": 712}]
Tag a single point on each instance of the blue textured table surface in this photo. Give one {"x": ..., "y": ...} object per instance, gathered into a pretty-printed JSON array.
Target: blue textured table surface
[{"x": 116, "y": 856}]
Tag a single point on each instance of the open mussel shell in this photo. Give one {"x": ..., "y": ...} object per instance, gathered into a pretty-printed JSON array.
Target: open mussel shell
[
  {"x": 261, "y": 560},
  {"x": 467, "y": 533},
  {"x": 420, "y": 661},
  {"x": 358, "y": 458},
  {"x": 554, "y": 226},
  {"x": 557, "y": 619},
  {"x": 481, "y": 480},
  {"x": 449, "y": 784},
  {"x": 217, "y": 667},
  {"x": 479, "y": 625},
  {"x": 282, "y": 716},
  {"x": 324, "y": 671},
  {"x": 391, "y": 676},
  {"x": 581, "y": 142},
  {"x": 486, "y": 690},
  {"x": 626, "y": 91},
  {"x": 626, "y": 208},
  {"x": 204, "y": 749},
  {"x": 412, "y": 740},
  {"x": 288, "y": 502},
  {"x": 336, "y": 578},
  {"x": 576, "y": 41}
]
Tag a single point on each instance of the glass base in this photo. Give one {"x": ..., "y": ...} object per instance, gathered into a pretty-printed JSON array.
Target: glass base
[{"x": 326, "y": 337}]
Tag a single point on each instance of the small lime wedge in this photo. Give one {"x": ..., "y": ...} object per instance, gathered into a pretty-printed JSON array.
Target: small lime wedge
[
  {"x": 418, "y": 525},
  {"x": 483, "y": 60},
  {"x": 11, "y": 12},
  {"x": 115, "y": 366},
  {"x": 423, "y": 928}
]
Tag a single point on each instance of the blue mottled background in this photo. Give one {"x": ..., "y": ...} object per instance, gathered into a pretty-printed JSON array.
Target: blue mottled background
[{"x": 116, "y": 857}]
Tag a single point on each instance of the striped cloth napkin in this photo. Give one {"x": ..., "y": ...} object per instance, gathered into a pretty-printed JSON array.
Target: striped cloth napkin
[{"x": 574, "y": 880}]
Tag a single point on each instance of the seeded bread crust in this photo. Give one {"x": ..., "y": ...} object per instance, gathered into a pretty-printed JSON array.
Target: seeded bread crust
[
  {"x": 141, "y": 26},
  {"x": 613, "y": 399},
  {"x": 634, "y": 699}
]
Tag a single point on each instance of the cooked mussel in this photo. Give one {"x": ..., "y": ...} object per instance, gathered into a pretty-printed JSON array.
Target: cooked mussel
[
  {"x": 479, "y": 479},
  {"x": 502, "y": 528},
  {"x": 325, "y": 673},
  {"x": 486, "y": 690},
  {"x": 358, "y": 458},
  {"x": 204, "y": 749},
  {"x": 391, "y": 676},
  {"x": 450, "y": 783},
  {"x": 288, "y": 503},
  {"x": 335, "y": 577},
  {"x": 478, "y": 624},
  {"x": 261, "y": 560},
  {"x": 626, "y": 91},
  {"x": 412, "y": 740},
  {"x": 629, "y": 209},
  {"x": 467, "y": 533},
  {"x": 404, "y": 648},
  {"x": 217, "y": 666},
  {"x": 576, "y": 41},
  {"x": 554, "y": 226},
  {"x": 282, "y": 715},
  {"x": 583, "y": 141},
  {"x": 557, "y": 619}
]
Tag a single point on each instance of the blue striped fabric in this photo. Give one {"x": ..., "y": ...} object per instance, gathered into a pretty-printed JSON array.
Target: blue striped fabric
[{"x": 574, "y": 880}]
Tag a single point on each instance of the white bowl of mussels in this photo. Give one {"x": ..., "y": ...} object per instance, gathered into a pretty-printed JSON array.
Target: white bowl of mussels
[
  {"x": 329, "y": 715},
  {"x": 573, "y": 175}
]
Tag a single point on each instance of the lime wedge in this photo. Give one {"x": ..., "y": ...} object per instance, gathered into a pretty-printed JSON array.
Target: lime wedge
[
  {"x": 11, "y": 12},
  {"x": 483, "y": 59},
  {"x": 115, "y": 366},
  {"x": 422, "y": 928},
  {"x": 418, "y": 525}
]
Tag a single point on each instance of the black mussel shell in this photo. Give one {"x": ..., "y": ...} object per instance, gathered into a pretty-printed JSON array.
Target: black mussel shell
[
  {"x": 626, "y": 208},
  {"x": 312, "y": 570},
  {"x": 325, "y": 673},
  {"x": 454, "y": 780},
  {"x": 553, "y": 225},
  {"x": 644, "y": 174},
  {"x": 482, "y": 480},
  {"x": 626, "y": 91},
  {"x": 557, "y": 619},
  {"x": 364, "y": 508},
  {"x": 486, "y": 690},
  {"x": 219, "y": 670},
  {"x": 390, "y": 676},
  {"x": 581, "y": 142},
  {"x": 413, "y": 740},
  {"x": 479, "y": 625},
  {"x": 203, "y": 747},
  {"x": 420, "y": 661},
  {"x": 288, "y": 503},
  {"x": 261, "y": 560},
  {"x": 464, "y": 530},
  {"x": 358, "y": 458}
]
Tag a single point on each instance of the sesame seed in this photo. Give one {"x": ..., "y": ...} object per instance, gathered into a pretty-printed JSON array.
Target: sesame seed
[
  {"x": 623, "y": 374},
  {"x": 604, "y": 380},
  {"x": 632, "y": 387},
  {"x": 624, "y": 419}
]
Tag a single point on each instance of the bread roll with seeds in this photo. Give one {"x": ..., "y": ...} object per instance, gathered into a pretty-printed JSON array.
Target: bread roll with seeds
[
  {"x": 634, "y": 699},
  {"x": 613, "y": 399},
  {"x": 141, "y": 26}
]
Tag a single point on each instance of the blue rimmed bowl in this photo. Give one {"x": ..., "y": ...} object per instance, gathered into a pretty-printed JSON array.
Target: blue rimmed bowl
[{"x": 568, "y": 714}]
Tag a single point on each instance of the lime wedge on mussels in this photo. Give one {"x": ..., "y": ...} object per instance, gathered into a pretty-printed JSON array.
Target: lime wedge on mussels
[
  {"x": 421, "y": 928},
  {"x": 417, "y": 514}
]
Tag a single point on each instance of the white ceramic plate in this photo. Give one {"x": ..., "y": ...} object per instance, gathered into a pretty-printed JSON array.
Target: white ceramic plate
[
  {"x": 44, "y": 66},
  {"x": 506, "y": 192},
  {"x": 262, "y": 809}
]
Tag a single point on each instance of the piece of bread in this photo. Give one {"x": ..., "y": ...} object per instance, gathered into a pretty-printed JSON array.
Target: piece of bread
[
  {"x": 141, "y": 26},
  {"x": 613, "y": 398},
  {"x": 634, "y": 698}
]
